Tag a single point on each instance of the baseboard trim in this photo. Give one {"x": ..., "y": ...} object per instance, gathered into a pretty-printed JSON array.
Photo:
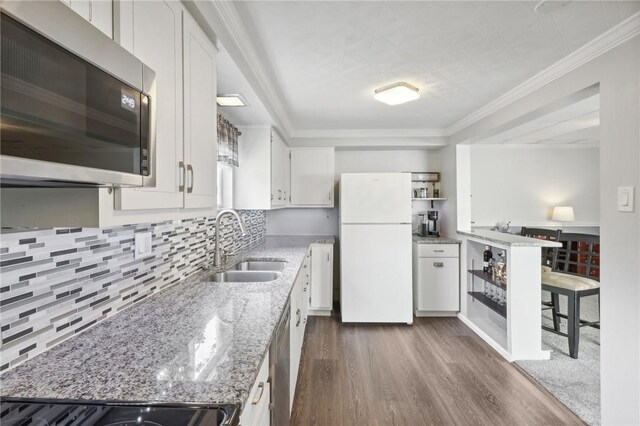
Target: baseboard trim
[
  {"x": 484, "y": 336},
  {"x": 319, "y": 312},
  {"x": 421, "y": 314}
]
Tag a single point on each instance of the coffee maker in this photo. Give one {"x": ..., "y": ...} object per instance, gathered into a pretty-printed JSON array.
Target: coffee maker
[
  {"x": 428, "y": 224},
  {"x": 432, "y": 223}
]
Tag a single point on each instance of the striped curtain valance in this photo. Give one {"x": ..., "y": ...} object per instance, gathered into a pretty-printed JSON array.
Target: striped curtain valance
[{"x": 227, "y": 141}]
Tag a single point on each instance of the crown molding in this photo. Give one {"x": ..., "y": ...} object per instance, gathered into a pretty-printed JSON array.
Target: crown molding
[
  {"x": 242, "y": 44},
  {"x": 617, "y": 35},
  {"x": 369, "y": 133}
]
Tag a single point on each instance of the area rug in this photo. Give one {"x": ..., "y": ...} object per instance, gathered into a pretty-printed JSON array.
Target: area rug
[{"x": 575, "y": 382}]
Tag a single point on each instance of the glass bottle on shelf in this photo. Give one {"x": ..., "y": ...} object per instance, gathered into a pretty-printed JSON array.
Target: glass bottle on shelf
[
  {"x": 501, "y": 265},
  {"x": 487, "y": 255}
]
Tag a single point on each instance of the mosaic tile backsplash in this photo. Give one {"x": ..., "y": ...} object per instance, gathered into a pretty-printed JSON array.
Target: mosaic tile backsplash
[{"x": 55, "y": 283}]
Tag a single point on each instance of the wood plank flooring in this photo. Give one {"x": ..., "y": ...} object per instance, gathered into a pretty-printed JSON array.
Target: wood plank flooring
[{"x": 435, "y": 372}]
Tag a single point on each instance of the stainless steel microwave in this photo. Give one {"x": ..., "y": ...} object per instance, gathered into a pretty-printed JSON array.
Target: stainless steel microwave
[{"x": 77, "y": 109}]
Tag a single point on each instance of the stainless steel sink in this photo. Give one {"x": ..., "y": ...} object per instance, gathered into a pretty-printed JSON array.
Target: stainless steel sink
[
  {"x": 259, "y": 265},
  {"x": 244, "y": 276}
]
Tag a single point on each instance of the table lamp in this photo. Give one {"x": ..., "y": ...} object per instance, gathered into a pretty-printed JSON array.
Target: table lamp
[{"x": 563, "y": 214}]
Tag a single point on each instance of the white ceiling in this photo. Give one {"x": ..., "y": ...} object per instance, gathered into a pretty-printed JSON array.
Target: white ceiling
[
  {"x": 326, "y": 58},
  {"x": 231, "y": 81}
]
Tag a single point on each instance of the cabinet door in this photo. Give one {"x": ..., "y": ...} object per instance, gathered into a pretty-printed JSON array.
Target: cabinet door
[
  {"x": 306, "y": 292},
  {"x": 439, "y": 288},
  {"x": 277, "y": 172},
  {"x": 98, "y": 12},
  {"x": 286, "y": 174},
  {"x": 200, "y": 143},
  {"x": 256, "y": 411},
  {"x": 157, "y": 41},
  {"x": 321, "y": 276},
  {"x": 312, "y": 177},
  {"x": 101, "y": 16},
  {"x": 296, "y": 336}
]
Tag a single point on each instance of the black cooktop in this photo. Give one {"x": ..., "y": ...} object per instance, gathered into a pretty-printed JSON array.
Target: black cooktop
[{"x": 32, "y": 412}]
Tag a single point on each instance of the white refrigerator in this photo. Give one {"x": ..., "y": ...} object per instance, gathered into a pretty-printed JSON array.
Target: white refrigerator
[{"x": 375, "y": 248}]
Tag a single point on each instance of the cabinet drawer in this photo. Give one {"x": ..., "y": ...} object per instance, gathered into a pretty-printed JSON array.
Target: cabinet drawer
[
  {"x": 253, "y": 413},
  {"x": 437, "y": 250}
]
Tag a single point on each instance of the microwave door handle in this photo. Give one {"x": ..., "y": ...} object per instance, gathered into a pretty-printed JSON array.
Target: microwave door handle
[
  {"x": 182, "y": 176},
  {"x": 190, "y": 171}
]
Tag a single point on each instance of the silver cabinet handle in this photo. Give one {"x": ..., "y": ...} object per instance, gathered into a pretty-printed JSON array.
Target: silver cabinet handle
[
  {"x": 183, "y": 176},
  {"x": 439, "y": 251},
  {"x": 298, "y": 317},
  {"x": 259, "y": 397},
  {"x": 285, "y": 195},
  {"x": 328, "y": 259},
  {"x": 438, "y": 264},
  {"x": 190, "y": 171},
  {"x": 329, "y": 196},
  {"x": 271, "y": 197},
  {"x": 279, "y": 194}
]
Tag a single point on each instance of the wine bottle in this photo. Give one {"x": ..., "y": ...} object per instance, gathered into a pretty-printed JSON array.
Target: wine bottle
[{"x": 486, "y": 257}]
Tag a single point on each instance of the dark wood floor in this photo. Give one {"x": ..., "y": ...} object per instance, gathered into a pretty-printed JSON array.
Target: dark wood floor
[{"x": 436, "y": 371}]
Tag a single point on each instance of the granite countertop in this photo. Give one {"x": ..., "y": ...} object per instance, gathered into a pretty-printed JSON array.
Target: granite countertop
[
  {"x": 435, "y": 240},
  {"x": 506, "y": 239},
  {"x": 196, "y": 342}
]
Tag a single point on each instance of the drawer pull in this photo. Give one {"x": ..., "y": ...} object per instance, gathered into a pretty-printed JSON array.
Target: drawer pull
[
  {"x": 439, "y": 251},
  {"x": 298, "y": 317},
  {"x": 438, "y": 264},
  {"x": 259, "y": 397}
]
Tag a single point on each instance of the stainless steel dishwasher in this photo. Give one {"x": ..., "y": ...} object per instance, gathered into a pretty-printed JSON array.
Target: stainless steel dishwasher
[{"x": 279, "y": 358}]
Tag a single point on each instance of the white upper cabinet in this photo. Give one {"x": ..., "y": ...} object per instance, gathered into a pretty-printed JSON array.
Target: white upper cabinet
[
  {"x": 167, "y": 39},
  {"x": 98, "y": 12},
  {"x": 261, "y": 181},
  {"x": 312, "y": 177},
  {"x": 280, "y": 171},
  {"x": 200, "y": 144},
  {"x": 157, "y": 41}
]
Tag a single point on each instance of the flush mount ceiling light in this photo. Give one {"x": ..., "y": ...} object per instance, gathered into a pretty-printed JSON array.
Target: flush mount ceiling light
[
  {"x": 396, "y": 93},
  {"x": 231, "y": 100}
]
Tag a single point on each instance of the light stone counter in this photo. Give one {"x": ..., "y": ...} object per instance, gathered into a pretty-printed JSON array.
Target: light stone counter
[{"x": 196, "y": 342}]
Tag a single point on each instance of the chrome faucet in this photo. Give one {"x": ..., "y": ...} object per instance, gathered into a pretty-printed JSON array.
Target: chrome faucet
[{"x": 217, "y": 258}]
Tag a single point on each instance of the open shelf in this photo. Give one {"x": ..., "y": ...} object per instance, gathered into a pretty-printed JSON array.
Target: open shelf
[
  {"x": 494, "y": 306},
  {"x": 486, "y": 276}
]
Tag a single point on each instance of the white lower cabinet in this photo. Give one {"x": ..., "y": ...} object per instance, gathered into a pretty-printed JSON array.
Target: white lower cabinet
[
  {"x": 321, "y": 283},
  {"x": 257, "y": 412},
  {"x": 436, "y": 283},
  {"x": 299, "y": 309},
  {"x": 296, "y": 336}
]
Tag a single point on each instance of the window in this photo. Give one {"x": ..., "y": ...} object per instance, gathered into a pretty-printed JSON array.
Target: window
[{"x": 225, "y": 186}]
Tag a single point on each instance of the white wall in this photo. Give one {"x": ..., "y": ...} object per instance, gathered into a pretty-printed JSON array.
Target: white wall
[
  {"x": 618, "y": 74},
  {"x": 302, "y": 222},
  {"x": 521, "y": 184}
]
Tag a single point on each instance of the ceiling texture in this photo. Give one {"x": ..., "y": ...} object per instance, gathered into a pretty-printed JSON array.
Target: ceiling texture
[{"x": 325, "y": 59}]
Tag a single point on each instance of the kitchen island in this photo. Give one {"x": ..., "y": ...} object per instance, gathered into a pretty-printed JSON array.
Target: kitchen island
[
  {"x": 512, "y": 326},
  {"x": 197, "y": 342}
]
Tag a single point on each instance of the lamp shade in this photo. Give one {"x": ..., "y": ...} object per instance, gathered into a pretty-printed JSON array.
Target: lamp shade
[{"x": 563, "y": 214}]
